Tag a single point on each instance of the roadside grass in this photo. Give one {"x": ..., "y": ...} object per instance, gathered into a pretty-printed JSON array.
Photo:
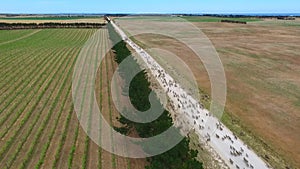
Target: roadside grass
[
  {"x": 235, "y": 125},
  {"x": 254, "y": 142}
]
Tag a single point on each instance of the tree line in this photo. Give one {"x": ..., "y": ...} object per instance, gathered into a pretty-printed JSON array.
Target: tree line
[
  {"x": 180, "y": 156},
  {"x": 10, "y": 26},
  {"x": 232, "y": 21}
]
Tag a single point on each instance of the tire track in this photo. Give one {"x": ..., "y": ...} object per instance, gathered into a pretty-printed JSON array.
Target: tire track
[{"x": 20, "y": 38}]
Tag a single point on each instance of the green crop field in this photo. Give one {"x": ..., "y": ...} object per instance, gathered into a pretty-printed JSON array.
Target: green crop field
[
  {"x": 38, "y": 126},
  {"x": 6, "y": 35}
]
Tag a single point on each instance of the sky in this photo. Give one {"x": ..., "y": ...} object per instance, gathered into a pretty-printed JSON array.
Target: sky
[{"x": 150, "y": 6}]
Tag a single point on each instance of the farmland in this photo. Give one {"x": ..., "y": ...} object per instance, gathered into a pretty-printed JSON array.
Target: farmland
[
  {"x": 38, "y": 125},
  {"x": 218, "y": 19},
  {"x": 260, "y": 60},
  {"x": 47, "y": 19},
  {"x": 190, "y": 19}
]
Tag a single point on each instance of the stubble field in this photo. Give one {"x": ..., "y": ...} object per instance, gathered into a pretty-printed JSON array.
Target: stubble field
[{"x": 261, "y": 62}]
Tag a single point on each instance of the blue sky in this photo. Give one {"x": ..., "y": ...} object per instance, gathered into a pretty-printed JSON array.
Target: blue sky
[{"x": 150, "y": 6}]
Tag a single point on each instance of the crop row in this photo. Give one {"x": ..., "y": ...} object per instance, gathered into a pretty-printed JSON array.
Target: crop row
[
  {"x": 28, "y": 94},
  {"x": 110, "y": 107},
  {"x": 29, "y": 132},
  {"x": 15, "y": 68},
  {"x": 57, "y": 99},
  {"x": 29, "y": 113},
  {"x": 40, "y": 86},
  {"x": 35, "y": 92},
  {"x": 17, "y": 77},
  {"x": 38, "y": 82},
  {"x": 24, "y": 87},
  {"x": 7, "y": 35},
  {"x": 25, "y": 46},
  {"x": 65, "y": 98},
  {"x": 87, "y": 138},
  {"x": 26, "y": 135},
  {"x": 64, "y": 135},
  {"x": 46, "y": 120},
  {"x": 32, "y": 43},
  {"x": 73, "y": 148}
]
